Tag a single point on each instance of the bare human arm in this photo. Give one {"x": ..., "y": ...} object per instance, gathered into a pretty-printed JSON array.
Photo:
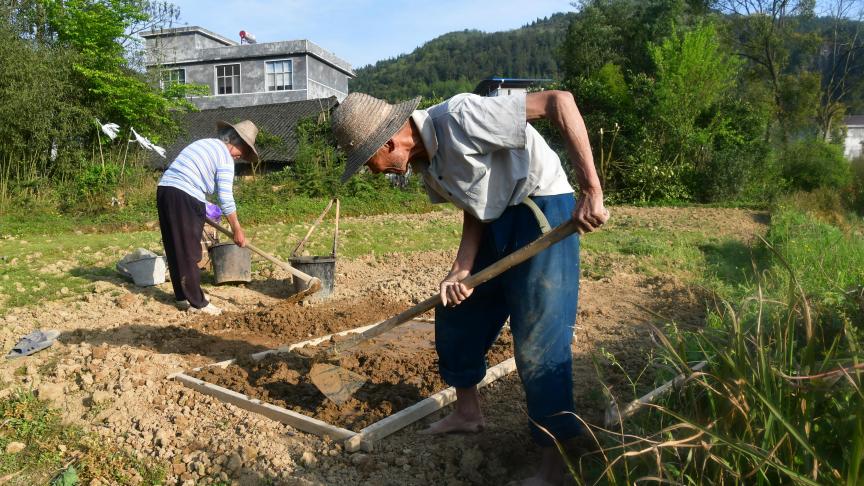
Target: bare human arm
[
  {"x": 239, "y": 235},
  {"x": 452, "y": 291},
  {"x": 559, "y": 107}
]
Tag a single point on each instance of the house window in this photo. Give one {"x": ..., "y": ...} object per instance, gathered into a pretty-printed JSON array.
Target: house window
[
  {"x": 172, "y": 76},
  {"x": 228, "y": 79},
  {"x": 279, "y": 76}
]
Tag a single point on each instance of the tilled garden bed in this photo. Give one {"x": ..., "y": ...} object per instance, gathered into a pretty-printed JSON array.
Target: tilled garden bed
[{"x": 401, "y": 369}]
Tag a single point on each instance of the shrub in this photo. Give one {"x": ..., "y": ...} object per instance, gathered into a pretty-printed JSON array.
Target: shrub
[
  {"x": 811, "y": 164},
  {"x": 856, "y": 190},
  {"x": 95, "y": 186}
]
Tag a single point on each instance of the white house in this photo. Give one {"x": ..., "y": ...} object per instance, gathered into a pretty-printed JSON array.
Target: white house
[
  {"x": 246, "y": 74},
  {"x": 854, "y": 136}
]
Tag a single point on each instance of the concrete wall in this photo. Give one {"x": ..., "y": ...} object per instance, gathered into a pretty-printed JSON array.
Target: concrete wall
[
  {"x": 199, "y": 53},
  {"x": 249, "y": 99},
  {"x": 251, "y": 74},
  {"x": 178, "y": 46},
  {"x": 272, "y": 50},
  {"x": 854, "y": 139},
  {"x": 324, "y": 81}
]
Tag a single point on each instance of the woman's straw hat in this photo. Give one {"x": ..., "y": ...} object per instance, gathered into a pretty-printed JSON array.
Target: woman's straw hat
[
  {"x": 248, "y": 132},
  {"x": 362, "y": 124}
]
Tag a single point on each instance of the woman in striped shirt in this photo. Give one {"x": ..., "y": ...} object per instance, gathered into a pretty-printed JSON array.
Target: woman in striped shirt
[{"x": 204, "y": 167}]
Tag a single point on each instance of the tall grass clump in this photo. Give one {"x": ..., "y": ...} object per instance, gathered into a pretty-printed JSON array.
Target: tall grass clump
[{"x": 780, "y": 400}]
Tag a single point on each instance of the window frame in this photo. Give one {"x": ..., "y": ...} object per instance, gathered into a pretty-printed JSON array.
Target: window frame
[
  {"x": 164, "y": 83},
  {"x": 290, "y": 86},
  {"x": 239, "y": 77}
]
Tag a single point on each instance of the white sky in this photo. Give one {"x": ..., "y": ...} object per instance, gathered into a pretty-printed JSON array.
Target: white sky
[{"x": 361, "y": 31}]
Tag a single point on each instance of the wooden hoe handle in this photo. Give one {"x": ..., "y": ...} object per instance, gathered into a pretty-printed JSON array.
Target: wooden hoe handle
[{"x": 488, "y": 273}]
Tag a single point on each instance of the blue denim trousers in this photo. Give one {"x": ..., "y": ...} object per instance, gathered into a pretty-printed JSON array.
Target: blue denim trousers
[{"x": 540, "y": 297}]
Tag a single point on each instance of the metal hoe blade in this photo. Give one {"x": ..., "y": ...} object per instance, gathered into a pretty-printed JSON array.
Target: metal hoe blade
[{"x": 335, "y": 382}]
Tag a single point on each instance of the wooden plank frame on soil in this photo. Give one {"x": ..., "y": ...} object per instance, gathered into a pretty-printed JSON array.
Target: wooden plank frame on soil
[{"x": 354, "y": 441}]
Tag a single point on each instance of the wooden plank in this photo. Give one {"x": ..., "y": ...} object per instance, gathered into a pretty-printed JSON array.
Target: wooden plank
[
  {"x": 288, "y": 417},
  {"x": 354, "y": 441},
  {"x": 399, "y": 420},
  {"x": 615, "y": 416}
]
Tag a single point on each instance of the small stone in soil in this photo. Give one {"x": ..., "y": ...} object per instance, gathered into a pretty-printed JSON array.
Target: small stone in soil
[
  {"x": 51, "y": 392},
  {"x": 308, "y": 459},
  {"x": 101, "y": 396},
  {"x": 14, "y": 447},
  {"x": 360, "y": 459},
  {"x": 234, "y": 462}
]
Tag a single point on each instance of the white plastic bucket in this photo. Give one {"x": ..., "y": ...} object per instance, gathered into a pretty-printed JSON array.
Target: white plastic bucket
[{"x": 147, "y": 271}]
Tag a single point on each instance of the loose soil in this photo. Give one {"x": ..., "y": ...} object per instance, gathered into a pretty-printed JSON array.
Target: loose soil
[
  {"x": 109, "y": 369},
  {"x": 401, "y": 370}
]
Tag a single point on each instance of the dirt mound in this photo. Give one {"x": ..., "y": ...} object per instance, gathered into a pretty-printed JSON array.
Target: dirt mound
[
  {"x": 290, "y": 322},
  {"x": 399, "y": 372}
]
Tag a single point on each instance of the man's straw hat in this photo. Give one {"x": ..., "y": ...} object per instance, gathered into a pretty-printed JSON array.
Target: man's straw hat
[
  {"x": 248, "y": 132},
  {"x": 362, "y": 124}
]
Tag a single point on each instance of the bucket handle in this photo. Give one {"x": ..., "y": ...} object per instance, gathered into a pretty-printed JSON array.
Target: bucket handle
[{"x": 305, "y": 239}]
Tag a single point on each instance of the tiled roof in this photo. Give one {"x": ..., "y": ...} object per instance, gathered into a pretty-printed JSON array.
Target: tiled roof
[
  {"x": 855, "y": 120},
  {"x": 279, "y": 119}
]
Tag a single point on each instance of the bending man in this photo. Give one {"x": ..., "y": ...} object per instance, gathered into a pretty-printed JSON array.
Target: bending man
[{"x": 481, "y": 155}]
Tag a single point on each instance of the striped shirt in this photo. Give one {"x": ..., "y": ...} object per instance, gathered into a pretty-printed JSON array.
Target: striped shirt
[{"x": 202, "y": 168}]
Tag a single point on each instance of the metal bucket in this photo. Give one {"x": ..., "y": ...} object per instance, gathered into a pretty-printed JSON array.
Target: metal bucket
[
  {"x": 323, "y": 267},
  {"x": 231, "y": 264}
]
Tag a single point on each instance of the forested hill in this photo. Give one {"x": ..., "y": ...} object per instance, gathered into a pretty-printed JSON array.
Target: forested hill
[{"x": 456, "y": 62}]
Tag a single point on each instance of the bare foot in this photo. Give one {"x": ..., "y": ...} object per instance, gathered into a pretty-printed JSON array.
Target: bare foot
[
  {"x": 465, "y": 418},
  {"x": 456, "y": 423}
]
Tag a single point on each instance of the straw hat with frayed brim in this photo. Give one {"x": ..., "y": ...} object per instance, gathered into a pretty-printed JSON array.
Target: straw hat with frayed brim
[
  {"x": 248, "y": 132},
  {"x": 362, "y": 124}
]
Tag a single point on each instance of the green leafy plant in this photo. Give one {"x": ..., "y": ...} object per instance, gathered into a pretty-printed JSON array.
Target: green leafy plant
[
  {"x": 97, "y": 179},
  {"x": 781, "y": 399},
  {"x": 813, "y": 164}
]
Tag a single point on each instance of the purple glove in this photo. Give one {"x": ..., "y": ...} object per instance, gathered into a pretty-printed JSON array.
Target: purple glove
[{"x": 213, "y": 212}]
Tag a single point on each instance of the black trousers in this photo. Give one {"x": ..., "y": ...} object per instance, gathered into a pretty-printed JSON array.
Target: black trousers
[{"x": 181, "y": 221}]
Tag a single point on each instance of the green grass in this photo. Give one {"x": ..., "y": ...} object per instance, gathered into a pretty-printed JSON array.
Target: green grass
[
  {"x": 781, "y": 401},
  {"x": 259, "y": 202},
  {"x": 37, "y": 269},
  {"x": 38, "y": 426},
  {"x": 695, "y": 256}
]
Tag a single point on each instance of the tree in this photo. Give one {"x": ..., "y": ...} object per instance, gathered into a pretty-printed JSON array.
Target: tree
[
  {"x": 99, "y": 31},
  {"x": 67, "y": 63},
  {"x": 694, "y": 74},
  {"x": 766, "y": 34},
  {"x": 40, "y": 108},
  {"x": 619, "y": 31},
  {"x": 841, "y": 62},
  {"x": 457, "y": 61}
]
